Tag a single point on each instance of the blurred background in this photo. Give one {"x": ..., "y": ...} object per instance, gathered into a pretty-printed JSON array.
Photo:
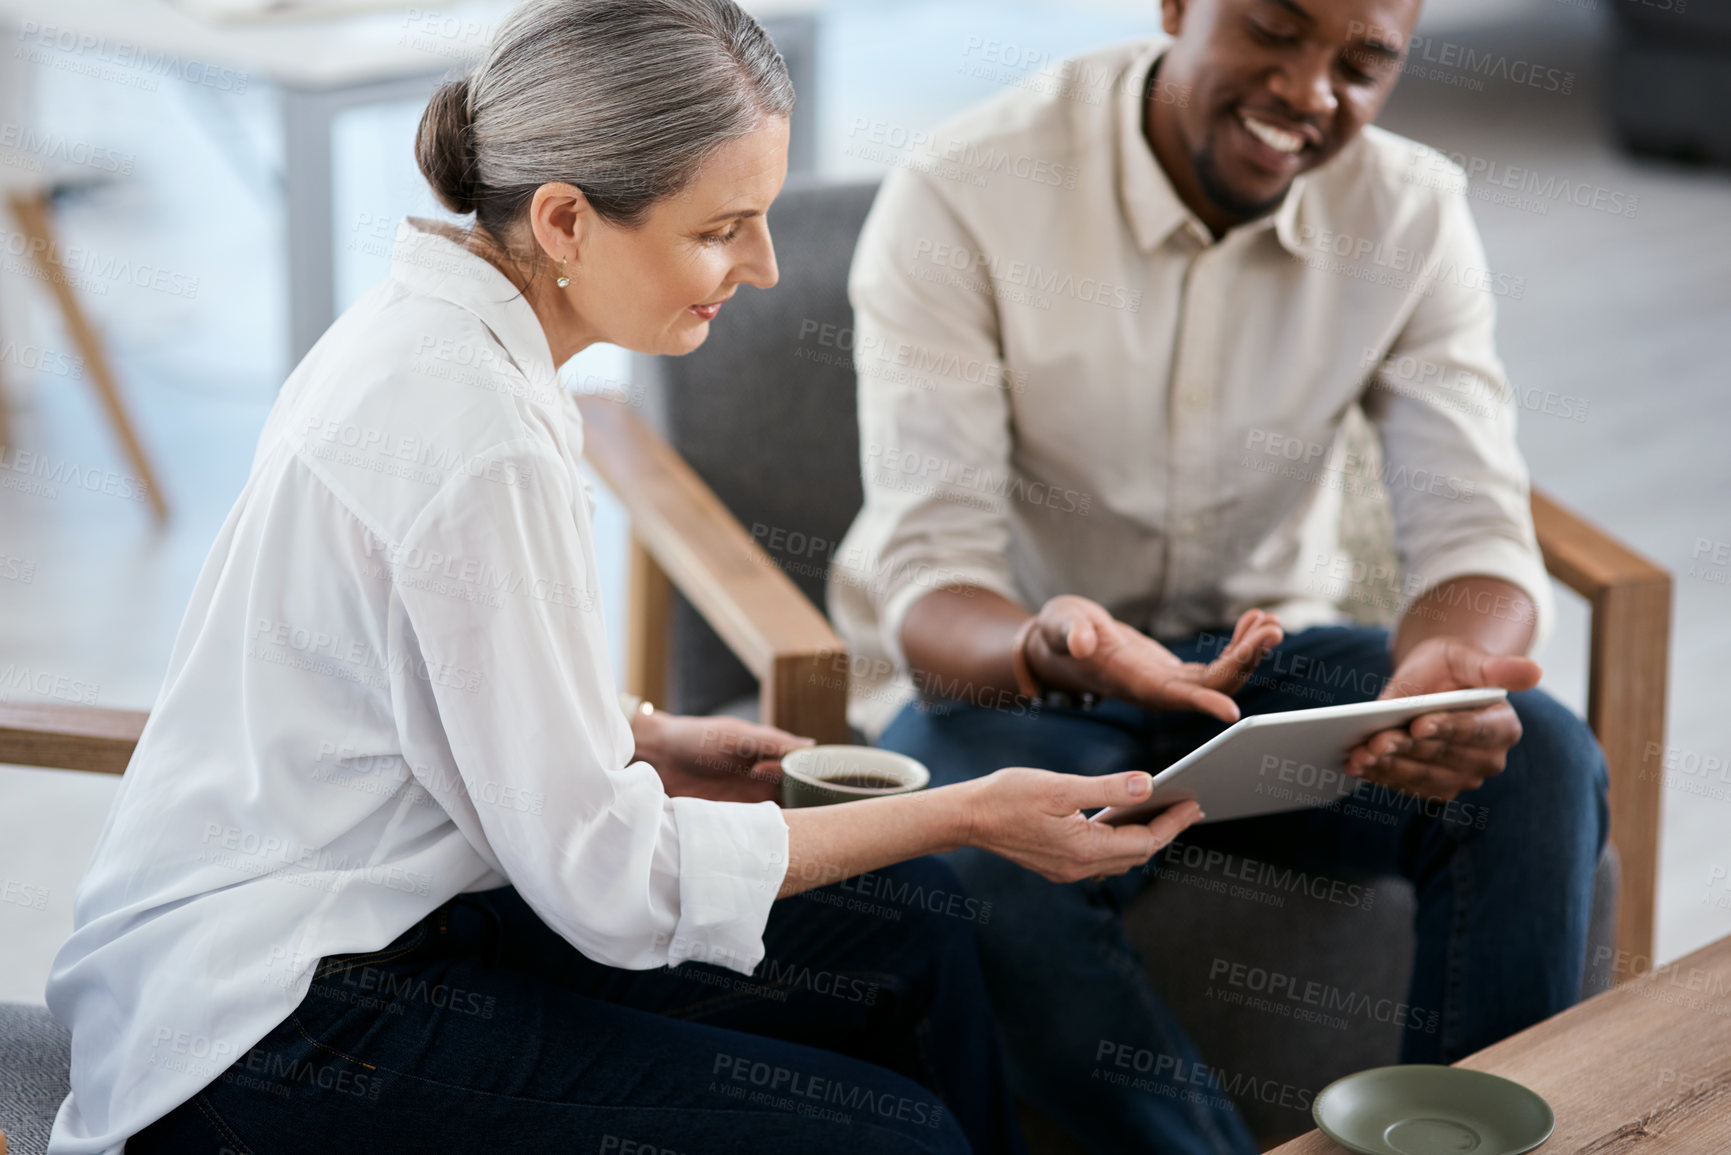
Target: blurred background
[{"x": 217, "y": 179}]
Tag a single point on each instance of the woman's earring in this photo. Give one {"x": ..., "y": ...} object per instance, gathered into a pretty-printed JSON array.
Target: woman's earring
[{"x": 563, "y": 280}]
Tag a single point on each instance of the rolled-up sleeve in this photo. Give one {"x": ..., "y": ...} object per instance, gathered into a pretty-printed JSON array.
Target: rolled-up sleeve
[
  {"x": 509, "y": 718},
  {"x": 1446, "y": 414},
  {"x": 935, "y": 437}
]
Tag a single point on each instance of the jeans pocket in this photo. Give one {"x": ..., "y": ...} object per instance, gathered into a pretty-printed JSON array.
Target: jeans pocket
[
  {"x": 398, "y": 948},
  {"x": 193, "y": 1128},
  {"x": 349, "y": 991}
]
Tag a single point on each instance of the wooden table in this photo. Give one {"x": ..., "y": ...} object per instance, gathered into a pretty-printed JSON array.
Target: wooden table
[{"x": 1643, "y": 1068}]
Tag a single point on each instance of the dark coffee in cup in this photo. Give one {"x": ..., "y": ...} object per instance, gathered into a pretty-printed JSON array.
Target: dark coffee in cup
[
  {"x": 821, "y": 775},
  {"x": 863, "y": 781}
]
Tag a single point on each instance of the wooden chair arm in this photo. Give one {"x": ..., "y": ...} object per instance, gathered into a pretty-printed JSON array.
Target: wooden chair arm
[
  {"x": 69, "y": 737},
  {"x": 682, "y": 536},
  {"x": 1630, "y": 598}
]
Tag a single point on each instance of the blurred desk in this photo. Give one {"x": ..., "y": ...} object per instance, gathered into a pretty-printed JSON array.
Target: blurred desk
[{"x": 324, "y": 64}]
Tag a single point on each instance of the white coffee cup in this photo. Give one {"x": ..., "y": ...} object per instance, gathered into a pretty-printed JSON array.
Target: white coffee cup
[{"x": 821, "y": 775}]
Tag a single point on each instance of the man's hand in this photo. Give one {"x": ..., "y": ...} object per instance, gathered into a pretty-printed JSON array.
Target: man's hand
[
  {"x": 1444, "y": 754},
  {"x": 723, "y": 759},
  {"x": 1077, "y": 645}
]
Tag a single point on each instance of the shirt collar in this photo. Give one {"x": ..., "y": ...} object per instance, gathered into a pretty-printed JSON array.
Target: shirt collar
[
  {"x": 429, "y": 257},
  {"x": 1285, "y": 221},
  {"x": 1150, "y": 202}
]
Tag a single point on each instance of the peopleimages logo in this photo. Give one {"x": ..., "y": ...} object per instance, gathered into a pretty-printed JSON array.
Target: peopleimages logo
[
  {"x": 1334, "y": 466},
  {"x": 479, "y": 577},
  {"x": 15, "y": 678},
  {"x": 1165, "y": 1070},
  {"x": 1278, "y": 989},
  {"x": 952, "y": 158},
  {"x": 23, "y": 894},
  {"x": 28, "y": 148},
  {"x": 1041, "y": 282},
  {"x": 90, "y": 270},
  {"x": 1488, "y": 65},
  {"x": 1517, "y": 185},
  {"x": 387, "y": 451},
  {"x": 1397, "y": 267},
  {"x": 317, "y": 867},
  {"x": 322, "y": 651},
  {"x": 1463, "y": 65},
  {"x": 41, "y": 475},
  {"x": 917, "y": 359},
  {"x": 98, "y": 56},
  {"x": 1264, "y": 875},
  {"x": 801, "y": 1092},
  {"x": 170, "y": 1041},
  {"x": 893, "y": 466},
  {"x": 1049, "y": 74}
]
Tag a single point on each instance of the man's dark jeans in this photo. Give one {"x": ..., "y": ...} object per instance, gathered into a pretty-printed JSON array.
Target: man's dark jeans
[
  {"x": 1504, "y": 883},
  {"x": 865, "y": 1029}
]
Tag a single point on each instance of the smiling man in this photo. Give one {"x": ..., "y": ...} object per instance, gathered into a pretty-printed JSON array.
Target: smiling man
[
  {"x": 1246, "y": 130},
  {"x": 1108, "y": 329}
]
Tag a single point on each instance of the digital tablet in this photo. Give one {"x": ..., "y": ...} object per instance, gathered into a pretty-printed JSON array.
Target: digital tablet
[{"x": 1268, "y": 763}]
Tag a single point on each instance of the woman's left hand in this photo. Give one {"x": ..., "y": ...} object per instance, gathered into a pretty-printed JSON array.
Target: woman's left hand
[{"x": 720, "y": 758}]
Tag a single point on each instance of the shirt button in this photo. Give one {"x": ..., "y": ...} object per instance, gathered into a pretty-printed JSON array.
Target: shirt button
[
  {"x": 1193, "y": 398},
  {"x": 1188, "y": 525}
]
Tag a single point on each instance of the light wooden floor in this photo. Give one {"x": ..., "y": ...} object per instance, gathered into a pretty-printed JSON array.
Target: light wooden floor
[{"x": 1628, "y": 314}]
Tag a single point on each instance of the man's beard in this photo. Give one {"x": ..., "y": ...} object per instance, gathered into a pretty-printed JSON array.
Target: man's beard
[{"x": 1215, "y": 188}]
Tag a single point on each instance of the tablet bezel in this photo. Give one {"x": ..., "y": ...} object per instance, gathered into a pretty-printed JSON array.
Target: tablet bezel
[{"x": 1378, "y": 715}]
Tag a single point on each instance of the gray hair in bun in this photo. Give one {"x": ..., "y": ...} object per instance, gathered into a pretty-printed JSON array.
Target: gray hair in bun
[{"x": 625, "y": 100}]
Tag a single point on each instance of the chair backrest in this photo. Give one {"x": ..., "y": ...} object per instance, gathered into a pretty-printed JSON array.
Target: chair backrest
[{"x": 764, "y": 412}]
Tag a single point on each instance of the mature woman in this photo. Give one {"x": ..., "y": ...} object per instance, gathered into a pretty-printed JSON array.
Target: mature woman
[{"x": 391, "y": 869}]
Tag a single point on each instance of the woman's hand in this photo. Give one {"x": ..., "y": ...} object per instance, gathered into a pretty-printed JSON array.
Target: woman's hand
[
  {"x": 720, "y": 758},
  {"x": 1034, "y": 818},
  {"x": 1031, "y": 817},
  {"x": 1077, "y": 645}
]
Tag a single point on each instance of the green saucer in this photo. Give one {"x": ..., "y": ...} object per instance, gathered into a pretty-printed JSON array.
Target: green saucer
[{"x": 1431, "y": 1110}]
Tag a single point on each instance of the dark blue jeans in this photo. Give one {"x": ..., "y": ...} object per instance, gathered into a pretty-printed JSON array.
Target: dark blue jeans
[
  {"x": 865, "y": 1029},
  {"x": 1503, "y": 878}
]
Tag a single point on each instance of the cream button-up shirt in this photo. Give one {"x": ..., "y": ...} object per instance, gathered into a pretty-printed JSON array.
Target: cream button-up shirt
[
  {"x": 391, "y": 687},
  {"x": 1066, "y": 385}
]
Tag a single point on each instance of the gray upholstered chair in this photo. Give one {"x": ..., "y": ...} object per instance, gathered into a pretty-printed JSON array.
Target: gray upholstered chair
[
  {"x": 35, "y": 1053},
  {"x": 35, "y": 1050},
  {"x": 764, "y": 416}
]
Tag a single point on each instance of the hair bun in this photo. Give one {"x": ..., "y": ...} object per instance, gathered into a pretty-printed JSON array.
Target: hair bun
[{"x": 442, "y": 147}]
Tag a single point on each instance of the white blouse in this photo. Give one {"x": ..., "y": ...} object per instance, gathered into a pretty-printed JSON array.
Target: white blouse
[{"x": 391, "y": 687}]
